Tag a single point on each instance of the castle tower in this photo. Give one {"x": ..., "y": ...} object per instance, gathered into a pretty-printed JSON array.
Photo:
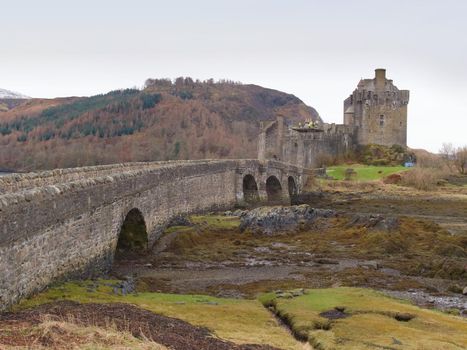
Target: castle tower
[{"x": 378, "y": 110}]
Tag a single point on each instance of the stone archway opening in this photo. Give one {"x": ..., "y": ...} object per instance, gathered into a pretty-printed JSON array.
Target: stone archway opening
[
  {"x": 293, "y": 190},
  {"x": 273, "y": 189},
  {"x": 133, "y": 237},
  {"x": 250, "y": 189}
]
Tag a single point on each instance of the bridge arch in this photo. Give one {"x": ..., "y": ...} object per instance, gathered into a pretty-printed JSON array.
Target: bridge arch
[
  {"x": 133, "y": 235},
  {"x": 293, "y": 189},
  {"x": 273, "y": 189},
  {"x": 250, "y": 189}
]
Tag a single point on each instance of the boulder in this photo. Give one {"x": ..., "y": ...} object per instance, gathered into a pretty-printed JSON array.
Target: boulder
[
  {"x": 180, "y": 220},
  {"x": 270, "y": 220},
  {"x": 376, "y": 222}
]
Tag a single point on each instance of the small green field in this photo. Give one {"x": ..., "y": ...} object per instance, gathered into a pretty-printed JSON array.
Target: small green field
[{"x": 364, "y": 172}]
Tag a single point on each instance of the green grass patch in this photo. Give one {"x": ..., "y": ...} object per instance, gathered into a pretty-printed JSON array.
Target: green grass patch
[
  {"x": 364, "y": 172},
  {"x": 371, "y": 322},
  {"x": 237, "y": 320},
  {"x": 216, "y": 222}
]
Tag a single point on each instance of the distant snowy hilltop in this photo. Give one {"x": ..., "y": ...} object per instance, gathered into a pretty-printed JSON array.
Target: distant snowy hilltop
[{"x": 13, "y": 95}]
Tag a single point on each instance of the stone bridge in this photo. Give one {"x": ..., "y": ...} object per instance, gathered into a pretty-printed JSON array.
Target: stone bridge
[{"x": 68, "y": 222}]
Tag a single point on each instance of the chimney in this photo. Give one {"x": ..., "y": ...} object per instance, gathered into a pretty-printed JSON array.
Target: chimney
[{"x": 380, "y": 77}]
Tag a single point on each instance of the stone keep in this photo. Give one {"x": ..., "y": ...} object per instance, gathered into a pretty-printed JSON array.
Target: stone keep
[
  {"x": 375, "y": 113},
  {"x": 378, "y": 111}
]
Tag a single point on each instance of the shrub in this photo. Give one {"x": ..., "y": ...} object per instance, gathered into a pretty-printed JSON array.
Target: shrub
[
  {"x": 379, "y": 155},
  {"x": 422, "y": 178}
]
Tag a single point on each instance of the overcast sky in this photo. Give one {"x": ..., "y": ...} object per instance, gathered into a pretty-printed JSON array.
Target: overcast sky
[{"x": 317, "y": 50}]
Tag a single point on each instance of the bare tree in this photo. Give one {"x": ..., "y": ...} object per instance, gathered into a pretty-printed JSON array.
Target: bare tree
[
  {"x": 448, "y": 153},
  {"x": 460, "y": 159}
]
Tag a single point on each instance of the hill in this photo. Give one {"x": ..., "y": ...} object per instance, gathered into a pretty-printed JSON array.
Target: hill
[
  {"x": 183, "y": 119},
  {"x": 10, "y": 99},
  {"x": 7, "y": 94}
]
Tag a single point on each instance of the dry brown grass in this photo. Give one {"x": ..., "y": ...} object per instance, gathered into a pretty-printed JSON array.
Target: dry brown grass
[
  {"x": 424, "y": 179},
  {"x": 68, "y": 334}
]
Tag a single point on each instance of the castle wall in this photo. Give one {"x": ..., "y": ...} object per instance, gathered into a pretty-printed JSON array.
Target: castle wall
[
  {"x": 66, "y": 229},
  {"x": 304, "y": 148},
  {"x": 393, "y": 129}
]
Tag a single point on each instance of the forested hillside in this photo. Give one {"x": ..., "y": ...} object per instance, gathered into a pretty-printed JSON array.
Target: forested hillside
[{"x": 181, "y": 119}]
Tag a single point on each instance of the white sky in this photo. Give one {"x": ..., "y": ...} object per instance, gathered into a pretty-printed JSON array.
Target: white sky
[{"x": 317, "y": 50}]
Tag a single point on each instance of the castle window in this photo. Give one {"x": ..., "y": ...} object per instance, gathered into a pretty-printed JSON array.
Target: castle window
[{"x": 381, "y": 120}]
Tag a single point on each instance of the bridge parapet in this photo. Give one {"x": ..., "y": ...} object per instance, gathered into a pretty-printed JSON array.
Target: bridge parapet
[{"x": 21, "y": 181}]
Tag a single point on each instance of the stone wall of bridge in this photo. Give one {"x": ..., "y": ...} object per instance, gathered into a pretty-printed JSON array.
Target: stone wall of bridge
[{"x": 66, "y": 223}]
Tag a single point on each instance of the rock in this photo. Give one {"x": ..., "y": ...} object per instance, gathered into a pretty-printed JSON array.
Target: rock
[
  {"x": 298, "y": 292},
  {"x": 285, "y": 295},
  {"x": 376, "y": 222},
  {"x": 180, "y": 220},
  {"x": 270, "y": 220},
  {"x": 464, "y": 291},
  {"x": 239, "y": 213}
]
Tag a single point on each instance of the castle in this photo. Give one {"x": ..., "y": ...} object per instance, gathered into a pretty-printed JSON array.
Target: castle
[{"x": 375, "y": 113}]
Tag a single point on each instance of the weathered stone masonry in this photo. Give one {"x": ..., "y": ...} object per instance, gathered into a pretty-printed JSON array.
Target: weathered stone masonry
[
  {"x": 375, "y": 113},
  {"x": 66, "y": 223}
]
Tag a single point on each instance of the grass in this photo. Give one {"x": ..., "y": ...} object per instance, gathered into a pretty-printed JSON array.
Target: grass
[
  {"x": 240, "y": 321},
  {"x": 66, "y": 334},
  {"x": 364, "y": 172},
  {"x": 216, "y": 222},
  {"x": 372, "y": 323}
]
